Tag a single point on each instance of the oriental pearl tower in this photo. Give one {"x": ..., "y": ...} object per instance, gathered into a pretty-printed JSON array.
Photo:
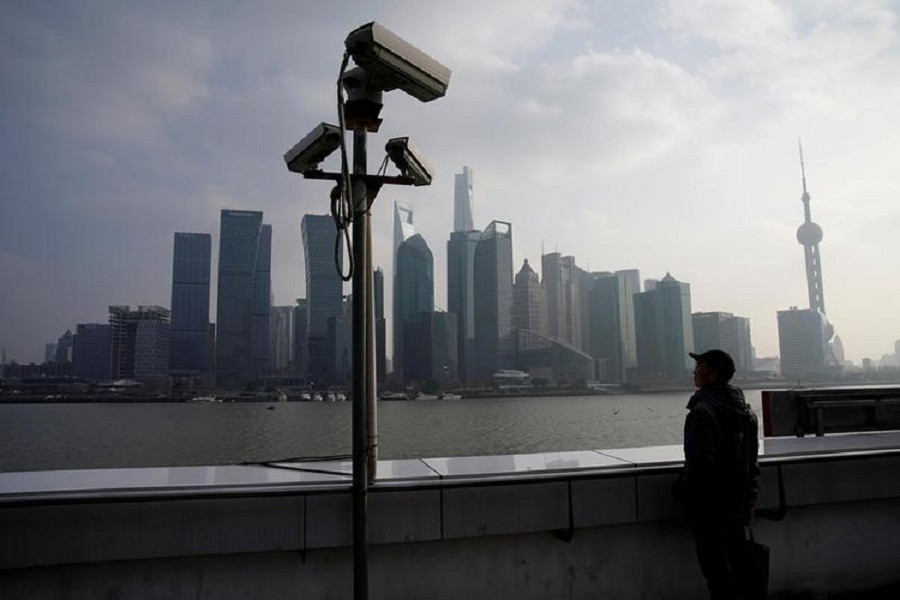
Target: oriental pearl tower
[{"x": 809, "y": 234}]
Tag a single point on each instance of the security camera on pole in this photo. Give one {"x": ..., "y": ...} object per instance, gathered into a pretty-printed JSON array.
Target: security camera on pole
[{"x": 384, "y": 62}]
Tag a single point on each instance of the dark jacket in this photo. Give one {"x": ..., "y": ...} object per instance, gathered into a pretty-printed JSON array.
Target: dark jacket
[{"x": 721, "y": 475}]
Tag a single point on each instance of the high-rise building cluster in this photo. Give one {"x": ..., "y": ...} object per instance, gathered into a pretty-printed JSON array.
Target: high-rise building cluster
[
  {"x": 569, "y": 325},
  {"x": 565, "y": 324}
]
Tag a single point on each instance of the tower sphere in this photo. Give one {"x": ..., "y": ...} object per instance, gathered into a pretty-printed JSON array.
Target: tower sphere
[{"x": 809, "y": 234}]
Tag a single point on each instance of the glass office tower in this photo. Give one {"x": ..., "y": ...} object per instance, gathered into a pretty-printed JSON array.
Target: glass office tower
[
  {"x": 463, "y": 201},
  {"x": 324, "y": 293},
  {"x": 461, "y": 295},
  {"x": 493, "y": 300},
  {"x": 262, "y": 304},
  {"x": 239, "y": 252},
  {"x": 190, "y": 304},
  {"x": 607, "y": 303},
  {"x": 414, "y": 289},
  {"x": 90, "y": 351},
  {"x": 529, "y": 301},
  {"x": 726, "y": 331},
  {"x": 380, "y": 325},
  {"x": 803, "y": 342},
  {"x": 665, "y": 331}
]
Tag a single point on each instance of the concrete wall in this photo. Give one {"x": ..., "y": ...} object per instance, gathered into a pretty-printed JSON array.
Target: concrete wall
[{"x": 476, "y": 538}]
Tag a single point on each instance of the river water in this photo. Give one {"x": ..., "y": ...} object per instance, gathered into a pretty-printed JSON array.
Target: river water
[{"x": 81, "y": 436}]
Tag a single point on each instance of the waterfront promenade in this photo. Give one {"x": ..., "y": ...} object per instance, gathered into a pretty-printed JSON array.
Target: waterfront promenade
[{"x": 588, "y": 524}]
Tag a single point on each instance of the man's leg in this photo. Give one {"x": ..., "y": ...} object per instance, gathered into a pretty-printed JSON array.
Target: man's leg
[{"x": 713, "y": 540}]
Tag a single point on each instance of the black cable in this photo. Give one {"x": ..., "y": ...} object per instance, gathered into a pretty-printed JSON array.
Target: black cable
[
  {"x": 324, "y": 458},
  {"x": 341, "y": 225},
  {"x": 382, "y": 170},
  {"x": 341, "y": 210}
]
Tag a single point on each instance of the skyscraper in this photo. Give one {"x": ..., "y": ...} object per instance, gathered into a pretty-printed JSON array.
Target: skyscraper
[
  {"x": 632, "y": 281},
  {"x": 461, "y": 296},
  {"x": 493, "y": 278},
  {"x": 262, "y": 303},
  {"x": 837, "y": 350},
  {"x": 403, "y": 230},
  {"x": 340, "y": 341},
  {"x": 608, "y": 303},
  {"x": 300, "y": 337},
  {"x": 324, "y": 293},
  {"x": 324, "y": 288},
  {"x": 63, "y": 351},
  {"x": 429, "y": 347},
  {"x": 191, "y": 259},
  {"x": 380, "y": 325},
  {"x": 665, "y": 332},
  {"x": 281, "y": 339},
  {"x": 413, "y": 289},
  {"x": 139, "y": 343},
  {"x": 463, "y": 201},
  {"x": 90, "y": 351},
  {"x": 239, "y": 260},
  {"x": 529, "y": 301},
  {"x": 563, "y": 284},
  {"x": 725, "y": 331},
  {"x": 802, "y": 341},
  {"x": 403, "y": 227}
]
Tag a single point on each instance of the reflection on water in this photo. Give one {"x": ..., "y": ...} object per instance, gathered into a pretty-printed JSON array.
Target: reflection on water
[{"x": 72, "y": 436}]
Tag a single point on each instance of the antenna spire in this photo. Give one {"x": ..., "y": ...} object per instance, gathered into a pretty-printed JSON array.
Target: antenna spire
[{"x": 802, "y": 167}]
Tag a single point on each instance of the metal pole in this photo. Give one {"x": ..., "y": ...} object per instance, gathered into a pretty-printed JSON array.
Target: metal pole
[
  {"x": 371, "y": 381},
  {"x": 361, "y": 276}
]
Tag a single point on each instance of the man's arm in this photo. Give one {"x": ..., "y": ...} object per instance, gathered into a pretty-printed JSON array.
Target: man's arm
[
  {"x": 699, "y": 455},
  {"x": 752, "y": 469}
]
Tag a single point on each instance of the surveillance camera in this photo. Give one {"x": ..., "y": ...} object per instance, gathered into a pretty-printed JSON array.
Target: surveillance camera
[
  {"x": 315, "y": 147},
  {"x": 363, "y": 103},
  {"x": 409, "y": 160},
  {"x": 358, "y": 83},
  {"x": 394, "y": 63}
]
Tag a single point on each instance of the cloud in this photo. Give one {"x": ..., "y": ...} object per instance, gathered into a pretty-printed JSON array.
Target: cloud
[
  {"x": 728, "y": 25},
  {"x": 629, "y": 135},
  {"x": 815, "y": 58},
  {"x": 114, "y": 75},
  {"x": 485, "y": 38}
]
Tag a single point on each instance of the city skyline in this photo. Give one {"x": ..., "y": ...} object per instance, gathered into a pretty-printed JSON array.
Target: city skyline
[
  {"x": 326, "y": 265},
  {"x": 660, "y": 137}
]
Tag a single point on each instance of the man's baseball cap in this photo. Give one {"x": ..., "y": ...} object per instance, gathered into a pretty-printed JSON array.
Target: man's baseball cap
[{"x": 717, "y": 360}]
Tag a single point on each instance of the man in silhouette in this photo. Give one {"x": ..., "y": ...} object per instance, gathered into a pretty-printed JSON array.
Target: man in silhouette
[{"x": 720, "y": 479}]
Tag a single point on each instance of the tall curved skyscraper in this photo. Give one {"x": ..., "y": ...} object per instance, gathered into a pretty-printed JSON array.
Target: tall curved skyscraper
[
  {"x": 463, "y": 201},
  {"x": 403, "y": 227},
  {"x": 403, "y": 230},
  {"x": 242, "y": 313},
  {"x": 413, "y": 288}
]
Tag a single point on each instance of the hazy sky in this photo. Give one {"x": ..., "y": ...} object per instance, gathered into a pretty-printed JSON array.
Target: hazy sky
[{"x": 653, "y": 135}]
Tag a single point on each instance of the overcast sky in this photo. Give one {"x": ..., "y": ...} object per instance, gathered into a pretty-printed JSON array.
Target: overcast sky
[{"x": 653, "y": 135}]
